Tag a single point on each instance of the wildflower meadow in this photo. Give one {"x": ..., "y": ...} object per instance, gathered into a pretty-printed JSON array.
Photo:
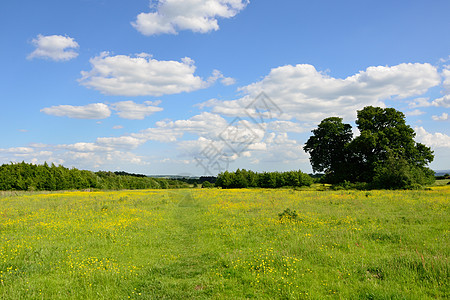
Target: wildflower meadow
[{"x": 225, "y": 244}]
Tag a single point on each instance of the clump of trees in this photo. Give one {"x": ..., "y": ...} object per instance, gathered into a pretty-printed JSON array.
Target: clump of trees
[
  {"x": 384, "y": 155},
  {"x": 244, "y": 179},
  {"x": 29, "y": 177}
]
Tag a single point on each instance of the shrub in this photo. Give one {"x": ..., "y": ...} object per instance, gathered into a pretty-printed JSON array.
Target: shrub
[
  {"x": 287, "y": 215},
  {"x": 207, "y": 184}
]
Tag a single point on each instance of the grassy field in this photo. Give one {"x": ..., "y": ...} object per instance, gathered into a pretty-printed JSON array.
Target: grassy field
[{"x": 225, "y": 244}]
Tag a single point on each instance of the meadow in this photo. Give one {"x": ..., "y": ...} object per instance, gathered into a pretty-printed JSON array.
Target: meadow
[{"x": 225, "y": 244}]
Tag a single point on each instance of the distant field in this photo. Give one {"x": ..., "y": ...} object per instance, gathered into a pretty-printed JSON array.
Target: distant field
[{"x": 226, "y": 244}]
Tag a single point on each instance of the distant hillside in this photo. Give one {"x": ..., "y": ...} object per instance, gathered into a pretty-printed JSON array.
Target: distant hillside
[{"x": 441, "y": 172}]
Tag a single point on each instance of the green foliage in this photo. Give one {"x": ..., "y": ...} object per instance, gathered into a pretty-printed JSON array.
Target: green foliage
[
  {"x": 384, "y": 138},
  {"x": 287, "y": 215},
  {"x": 397, "y": 173},
  {"x": 328, "y": 148},
  {"x": 445, "y": 176},
  {"x": 30, "y": 177},
  {"x": 384, "y": 154},
  {"x": 207, "y": 184},
  {"x": 245, "y": 179}
]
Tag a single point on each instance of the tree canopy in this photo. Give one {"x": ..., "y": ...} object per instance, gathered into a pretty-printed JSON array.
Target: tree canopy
[
  {"x": 384, "y": 154},
  {"x": 29, "y": 177},
  {"x": 246, "y": 178},
  {"x": 328, "y": 148}
]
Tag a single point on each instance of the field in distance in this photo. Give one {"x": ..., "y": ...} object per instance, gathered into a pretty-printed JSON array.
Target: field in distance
[{"x": 226, "y": 244}]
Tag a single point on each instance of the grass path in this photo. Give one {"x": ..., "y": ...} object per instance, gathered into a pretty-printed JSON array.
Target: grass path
[{"x": 185, "y": 273}]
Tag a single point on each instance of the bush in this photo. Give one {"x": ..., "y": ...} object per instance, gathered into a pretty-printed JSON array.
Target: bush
[
  {"x": 207, "y": 184},
  {"x": 287, "y": 215},
  {"x": 396, "y": 173}
]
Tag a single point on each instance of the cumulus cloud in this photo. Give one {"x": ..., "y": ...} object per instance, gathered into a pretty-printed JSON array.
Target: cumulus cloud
[
  {"x": 18, "y": 150},
  {"x": 446, "y": 75},
  {"x": 122, "y": 142},
  {"x": 109, "y": 153},
  {"x": 105, "y": 160},
  {"x": 443, "y": 117},
  {"x": 306, "y": 94},
  {"x": 420, "y": 102},
  {"x": 54, "y": 47},
  {"x": 84, "y": 147},
  {"x": 224, "y": 80},
  {"x": 171, "y": 16},
  {"x": 90, "y": 111},
  {"x": 141, "y": 75},
  {"x": 125, "y": 109},
  {"x": 425, "y": 102},
  {"x": 134, "y": 111},
  {"x": 285, "y": 126},
  {"x": 435, "y": 140},
  {"x": 443, "y": 101},
  {"x": 415, "y": 112},
  {"x": 205, "y": 124}
]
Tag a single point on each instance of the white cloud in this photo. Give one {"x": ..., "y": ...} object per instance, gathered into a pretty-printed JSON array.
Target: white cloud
[
  {"x": 224, "y": 80},
  {"x": 125, "y": 109},
  {"x": 90, "y": 111},
  {"x": 425, "y": 102},
  {"x": 117, "y": 127},
  {"x": 261, "y": 146},
  {"x": 285, "y": 126},
  {"x": 141, "y": 76},
  {"x": 416, "y": 112},
  {"x": 83, "y": 147},
  {"x": 228, "y": 81},
  {"x": 134, "y": 111},
  {"x": 158, "y": 134},
  {"x": 443, "y": 117},
  {"x": 123, "y": 142},
  {"x": 419, "y": 102},
  {"x": 446, "y": 75},
  {"x": 443, "y": 101},
  {"x": 54, "y": 47},
  {"x": 308, "y": 95},
  {"x": 201, "y": 16},
  {"x": 435, "y": 140},
  {"x": 113, "y": 160},
  {"x": 18, "y": 150},
  {"x": 205, "y": 124}
]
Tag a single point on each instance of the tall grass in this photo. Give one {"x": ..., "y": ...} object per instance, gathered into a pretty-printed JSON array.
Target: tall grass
[{"x": 222, "y": 244}]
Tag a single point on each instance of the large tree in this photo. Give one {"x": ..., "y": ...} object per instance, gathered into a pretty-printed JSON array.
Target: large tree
[
  {"x": 384, "y": 153},
  {"x": 328, "y": 148},
  {"x": 386, "y": 146}
]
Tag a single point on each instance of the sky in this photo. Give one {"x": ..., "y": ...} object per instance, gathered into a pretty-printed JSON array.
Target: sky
[{"x": 197, "y": 87}]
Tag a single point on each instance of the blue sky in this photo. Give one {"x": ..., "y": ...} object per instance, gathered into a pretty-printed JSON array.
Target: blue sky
[{"x": 171, "y": 87}]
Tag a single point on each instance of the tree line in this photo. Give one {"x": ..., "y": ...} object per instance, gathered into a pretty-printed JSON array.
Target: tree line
[
  {"x": 244, "y": 179},
  {"x": 30, "y": 177}
]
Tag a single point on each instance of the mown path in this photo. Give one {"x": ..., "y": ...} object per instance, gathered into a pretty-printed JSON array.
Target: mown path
[{"x": 188, "y": 254}]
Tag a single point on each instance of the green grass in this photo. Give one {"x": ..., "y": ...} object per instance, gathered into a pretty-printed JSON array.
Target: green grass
[
  {"x": 225, "y": 244},
  {"x": 441, "y": 182}
]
